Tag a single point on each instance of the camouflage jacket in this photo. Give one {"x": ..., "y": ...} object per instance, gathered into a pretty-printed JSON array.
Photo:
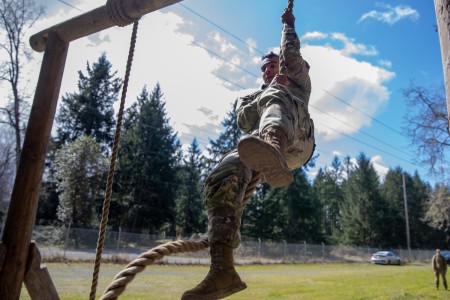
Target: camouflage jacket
[{"x": 300, "y": 150}]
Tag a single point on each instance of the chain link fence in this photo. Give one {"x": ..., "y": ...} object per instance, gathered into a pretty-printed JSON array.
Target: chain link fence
[{"x": 65, "y": 243}]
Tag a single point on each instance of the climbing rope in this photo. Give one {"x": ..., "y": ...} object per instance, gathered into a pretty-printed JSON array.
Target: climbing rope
[
  {"x": 283, "y": 68},
  {"x": 128, "y": 273},
  {"x": 116, "y": 288},
  {"x": 116, "y": 13}
]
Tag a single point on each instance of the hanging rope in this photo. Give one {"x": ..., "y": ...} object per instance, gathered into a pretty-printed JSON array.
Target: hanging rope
[
  {"x": 116, "y": 288},
  {"x": 283, "y": 68},
  {"x": 108, "y": 193},
  {"x": 120, "y": 281}
]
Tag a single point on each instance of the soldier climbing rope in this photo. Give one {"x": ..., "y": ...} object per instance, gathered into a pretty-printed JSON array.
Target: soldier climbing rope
[{"x": 118, "y": 285}]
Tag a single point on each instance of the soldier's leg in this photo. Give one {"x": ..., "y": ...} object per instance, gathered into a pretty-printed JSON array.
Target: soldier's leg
[
  {"x": 436, "y": 280},
  {"x": 278, "y": 121},
  {"x": 444, "y": 279},
  {"x": 224, "y": 194}
]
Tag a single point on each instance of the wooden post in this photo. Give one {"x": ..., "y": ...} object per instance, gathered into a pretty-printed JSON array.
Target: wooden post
[
  {"x": 24, "y": 199},
  {"x": 443, "y": 22},
  {"x": 96, "y": 20}
]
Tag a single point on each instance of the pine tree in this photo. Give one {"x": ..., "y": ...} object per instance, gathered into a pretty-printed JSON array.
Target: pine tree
[
  {"x": 90, "y": 112},
  {"x": 148, "y": 158},
  {"x": 328, "y": 192},
  {"x": 226, "y": 141},
  {"x": 362, "y": 208},
  {"x": 191, "y": 216},
  {"x": 302, "y": 213}
]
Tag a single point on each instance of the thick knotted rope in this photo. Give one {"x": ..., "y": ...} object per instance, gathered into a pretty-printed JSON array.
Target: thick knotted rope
[
  {"x": 120, "y": 281},
  {"x": 116, "y": 288},
  {"x": 117, "y": 14}
]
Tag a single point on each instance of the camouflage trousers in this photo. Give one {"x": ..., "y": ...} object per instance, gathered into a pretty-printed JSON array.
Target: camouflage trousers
[
  {"x": 226, "y": 186},
  {"x": 224, "y": 192}
]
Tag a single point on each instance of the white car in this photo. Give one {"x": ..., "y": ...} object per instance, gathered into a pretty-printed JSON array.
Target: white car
[{"x": 385, "y": 258}]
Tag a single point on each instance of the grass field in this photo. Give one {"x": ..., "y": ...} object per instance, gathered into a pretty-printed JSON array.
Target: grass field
[{"x": 302, "y": 281}]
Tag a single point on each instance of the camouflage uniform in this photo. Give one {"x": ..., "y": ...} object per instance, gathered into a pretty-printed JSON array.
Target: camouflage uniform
[
  {"x": 226, "y": 185},
  {"x": 439, "y": 266}
]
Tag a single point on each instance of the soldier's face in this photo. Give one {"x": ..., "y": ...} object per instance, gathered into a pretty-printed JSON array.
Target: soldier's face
[{"x": 270, "y": 69}]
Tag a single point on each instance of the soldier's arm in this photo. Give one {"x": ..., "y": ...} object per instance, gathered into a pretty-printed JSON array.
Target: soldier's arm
[{"x": 297, "y": 68}]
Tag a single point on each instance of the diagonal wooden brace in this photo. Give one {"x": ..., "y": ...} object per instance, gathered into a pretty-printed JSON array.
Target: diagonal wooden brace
[{"x": 37, "y": 278}]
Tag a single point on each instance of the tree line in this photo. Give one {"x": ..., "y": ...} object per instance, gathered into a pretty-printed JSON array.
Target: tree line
[{"x": 158, "y": 187}]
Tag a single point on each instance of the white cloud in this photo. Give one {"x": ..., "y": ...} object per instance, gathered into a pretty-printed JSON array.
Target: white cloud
[
  {"x": 391, "y": 15},
  {"x": 379, "y": 166},
  {"x": 315, "y": 35},
  {"x": 197, "y": 100},
  {"x": 385, "y": 63},
  {"x": 350, "y": 47},
  {"x": 337, "y": 153},
  {"x": 336, "y": 77}
]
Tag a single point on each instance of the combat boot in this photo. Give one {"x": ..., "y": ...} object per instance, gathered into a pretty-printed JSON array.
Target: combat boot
[
  {"x": 265, "y": 154},
  {"x": 222, "y": 279}
]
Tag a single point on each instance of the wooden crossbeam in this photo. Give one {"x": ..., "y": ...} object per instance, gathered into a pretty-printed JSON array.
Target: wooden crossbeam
[{"x": 96, "y": 20}]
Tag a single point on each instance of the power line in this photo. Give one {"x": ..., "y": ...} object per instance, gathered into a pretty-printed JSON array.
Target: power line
[
  {"x": 359, "y": 130},
  {"x": 387, "y": 126},
  {"x": 224, "y": 59},
  {"x": 368, "y": 145},
  {"x": 221, "y": 28},
  {"x": 68, "y": 4}
]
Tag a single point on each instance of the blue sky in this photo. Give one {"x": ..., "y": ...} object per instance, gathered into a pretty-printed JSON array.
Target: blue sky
[{"x": 206, "y": 53}]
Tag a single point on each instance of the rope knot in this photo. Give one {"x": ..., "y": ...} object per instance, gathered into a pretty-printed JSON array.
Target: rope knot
[{"x": 117, "y": 14}]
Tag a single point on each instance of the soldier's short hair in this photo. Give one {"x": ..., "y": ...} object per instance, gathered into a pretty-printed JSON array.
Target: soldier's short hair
[{"x": 269, "y": 55}]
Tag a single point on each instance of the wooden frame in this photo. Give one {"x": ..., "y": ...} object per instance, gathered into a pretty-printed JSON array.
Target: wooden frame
[{"x": 19, "y": 257}]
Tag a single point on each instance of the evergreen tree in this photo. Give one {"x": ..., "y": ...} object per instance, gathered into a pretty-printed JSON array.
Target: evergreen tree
[
  {"x": 422, "y": 234},
  {"x": 329, "y": 194},
  {"x": 146, "y": 182},
  {"x": 302, "y": 213},
  {"x": 362, "y": 208},
  {"x": 226, "y": 141},
  {"x": 392, "y": 192},
  {"x": 417, "y": 192},
  {"x": 80, "y": 173},
  {"x": 90, "y": 112},
  {"x": 191, "y": 216},
  {"x": 290, "y": 213}
]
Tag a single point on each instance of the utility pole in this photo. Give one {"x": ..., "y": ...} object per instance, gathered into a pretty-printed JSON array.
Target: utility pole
[
  {"x": 405, "y": 201},
  {"x": 442, "y": 8}
]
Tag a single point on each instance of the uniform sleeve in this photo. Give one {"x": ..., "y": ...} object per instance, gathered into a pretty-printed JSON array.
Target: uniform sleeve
[
  {"x": 247, "y": 112},
  {"x": 297, "y": 67}
]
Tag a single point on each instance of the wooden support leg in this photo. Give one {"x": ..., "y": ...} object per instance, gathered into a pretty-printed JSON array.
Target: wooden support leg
[
  {"x": 2, "y": 254},
  {"x": 24, "y": 198},
  {"x": 37, "y": 278}
]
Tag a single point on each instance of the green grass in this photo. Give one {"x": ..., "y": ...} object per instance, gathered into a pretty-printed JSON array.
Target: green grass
[{"x": 310, "y": 281}]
